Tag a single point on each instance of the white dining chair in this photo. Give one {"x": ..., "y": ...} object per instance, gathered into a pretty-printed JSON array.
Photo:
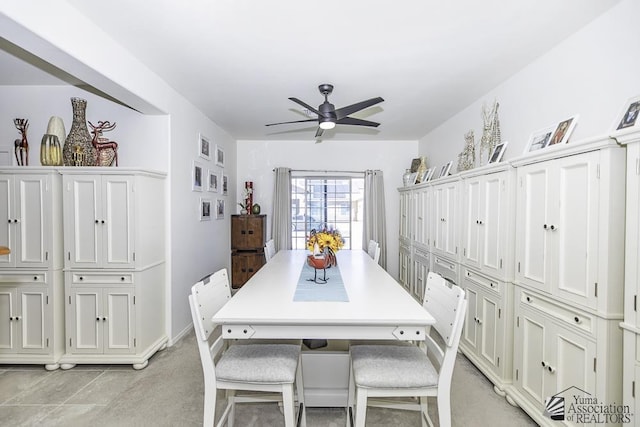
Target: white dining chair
[
  {"x": 269, "y": 250},
  {"x": 373, "y": 249},
  {"x": 408, "y": 370},
  {"x": 270, "y": 368}
]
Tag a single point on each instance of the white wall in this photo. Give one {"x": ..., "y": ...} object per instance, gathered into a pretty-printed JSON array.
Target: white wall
[
  {"x": 166, "y": 138},
  {"x": 256, "y": 160},
  {"x": 592, "y": 73}
]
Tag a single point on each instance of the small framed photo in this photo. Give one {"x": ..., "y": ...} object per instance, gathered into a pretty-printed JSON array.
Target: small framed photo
[
  {"x": 413, "y": 177},
  {"x": 212, "y": 181},
  {"x": 219, "y": 156},
  {"x": 225, "y": 184},
  {"x": 423, "y": 176},
  {"x": 498, "y": 152},
  {"x": 204, "y": 147},
  {"x": 539, "y": 139},
  {"x": 628, "y": 117},
  {"x": 197, "y": 176},
  {"x": 445, "y": 170},
  {"x": 205, "y": 209},
  {"x": 563, "y": 131},
  {"x": 219, "y": 208},
  {"x": 429, "y": 174}
]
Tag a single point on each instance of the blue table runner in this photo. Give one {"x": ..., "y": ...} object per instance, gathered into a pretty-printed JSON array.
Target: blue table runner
[{"x": 308, "y": 290}]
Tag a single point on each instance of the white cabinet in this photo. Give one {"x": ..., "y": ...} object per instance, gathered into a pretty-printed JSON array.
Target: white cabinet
[
  {"x": 114, "y": 266},
  {"x": 99, "y": 216},
  {"x": 446, "y": 229},
  {"x": 487, "y": 222},
  {"x": 422, "y": 208},
  {"x": 421, "y": 260},
  {"x": 31, "y": 281},
  {"x": 404, "y": 266},
  {"x": 486, "y": 337},
  {"x": 569, "y": 238}
]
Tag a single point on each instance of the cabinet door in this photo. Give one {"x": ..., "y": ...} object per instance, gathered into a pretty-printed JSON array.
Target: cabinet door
[
  {"x": 420, "y": 272},
  {"x": 493, "y": 222},
  {"x": 84, "y": 320},
  {"x": 423, "y": 216},
  {"x": 119, "y": 320},
  {"x": 471, "y": 222},
  {"x": 573, "y": 226},
  {"x": 530, "y": 339},
  {"x": 32, "y": 305},
  {"x": 532, "y": 239},
  {"x": 255, "y": 261},
  {"x": 255, "y": 231},
  {"x": 32, "y": 207},
  {"x": 572, "y": 362},
  {"x": 116, "y": 223},
  {"x": 445, "y": 217},
  {"x": 491, "y": 329},
  {"x": 7, "y": 320},
  {"x": 471, "y": 331},
  {"x": 404, "y": 214},
  {"x": 82, "y": 216},
  {"x": 6, "y": 219},
  {"x": 404, "y": 266}
]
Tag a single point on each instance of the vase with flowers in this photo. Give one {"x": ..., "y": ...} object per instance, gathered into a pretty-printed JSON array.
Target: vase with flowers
[{"x": 324, "y": 244}]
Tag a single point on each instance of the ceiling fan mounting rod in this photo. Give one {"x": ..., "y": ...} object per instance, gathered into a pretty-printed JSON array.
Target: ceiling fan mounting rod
[{"x": 326, "y": 90}]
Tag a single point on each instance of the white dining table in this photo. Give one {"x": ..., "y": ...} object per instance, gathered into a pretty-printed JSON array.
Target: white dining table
[{"x": 378, "y": 307}]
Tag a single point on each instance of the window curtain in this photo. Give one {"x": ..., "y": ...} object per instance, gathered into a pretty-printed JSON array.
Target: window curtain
[
  {"x": 374, "y": 225},
  {"x": 281, "y": 218}
]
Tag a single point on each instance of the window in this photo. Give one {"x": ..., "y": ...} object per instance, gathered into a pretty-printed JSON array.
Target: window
[{"x": 331, "y": 202}]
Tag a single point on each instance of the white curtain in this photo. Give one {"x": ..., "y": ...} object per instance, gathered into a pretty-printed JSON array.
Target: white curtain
[
  {"x": 374, "y": 224},
  {"x": 281, "y": 218}
]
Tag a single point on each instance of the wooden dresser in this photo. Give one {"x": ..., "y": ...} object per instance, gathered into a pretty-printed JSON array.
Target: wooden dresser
[{"x": 248, "y": 234}]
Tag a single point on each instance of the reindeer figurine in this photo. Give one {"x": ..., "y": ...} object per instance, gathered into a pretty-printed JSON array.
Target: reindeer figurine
[
  {"x": 21, "y": 145},
  {"x": 106, "y": 151}
]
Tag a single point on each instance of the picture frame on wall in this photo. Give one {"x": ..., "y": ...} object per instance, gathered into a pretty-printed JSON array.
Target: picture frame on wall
[
  {"x": 212, "y": 181},
  {"x": 563, "y": 131},
  {"x": 205, "y": 209},
  {"x": 628, "y": 116},
  {"x": 204, "y": 147},
  {"x": 498, "y": 152},
  {"x": 197, "y": 176},
  {"x": 219, "y": 208},
  {"x": 219, "y": 156},
  {"x": 539, "y": 139},
  {"x": 225, "y": 184}
]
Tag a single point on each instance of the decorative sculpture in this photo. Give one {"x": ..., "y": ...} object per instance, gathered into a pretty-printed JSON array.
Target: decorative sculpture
[
  {"x": 490, "y": 132},
  {"x": 467, "y": 158},
  {"x": 21, "y": 145},
  {"x": 107, "y": 151}
]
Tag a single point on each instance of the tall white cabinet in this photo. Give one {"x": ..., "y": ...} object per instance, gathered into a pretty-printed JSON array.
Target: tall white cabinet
[
  {"x": 31, "y": 278},
  {"x": 114, "y": 255},
  {"x": 631, "y": 322}
]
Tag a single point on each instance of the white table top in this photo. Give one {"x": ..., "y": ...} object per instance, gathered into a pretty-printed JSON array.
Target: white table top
[{"x": 377, "y": 304}]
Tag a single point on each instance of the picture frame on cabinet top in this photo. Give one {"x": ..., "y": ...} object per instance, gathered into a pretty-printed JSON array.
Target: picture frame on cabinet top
[
  {"x": 204, "y": 147},
  {"x": 563, "y": 131},
  {"x": 628, "y": 116},
  {"x": 539, "y": 139},
  {"x": 498, "y": 152},
  {"x": 413, "y": 178},
  {"x": 446, "y": 169},
  {"x": 197, "y": 176},
  {"x": 205, "y": 209}
]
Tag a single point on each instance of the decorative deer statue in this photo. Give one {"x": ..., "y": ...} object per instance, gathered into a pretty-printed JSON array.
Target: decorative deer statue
[
  {"x": 107, "y": 151},
  {"x": 21, "y": 145}
]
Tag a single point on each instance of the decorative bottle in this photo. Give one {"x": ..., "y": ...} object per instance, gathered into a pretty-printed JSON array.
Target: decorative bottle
[
  {"x": 78, "y": 150},
  {"x": 406, "y": 176}
]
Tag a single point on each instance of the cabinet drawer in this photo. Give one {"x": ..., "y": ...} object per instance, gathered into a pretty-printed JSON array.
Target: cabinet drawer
[
  {"x": 567, "y": 315},
  {"x": 482, "y": 280},
  {"x": 13, "y": 278},
  {"x": 446, "y": 268},
  {"x": 101, "y": 278},
  {"x": 422, "y": 253}
]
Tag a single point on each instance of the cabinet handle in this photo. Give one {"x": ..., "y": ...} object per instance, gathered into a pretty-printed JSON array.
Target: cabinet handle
[
  {"x": 493, "y": 285},
  {"x": 97, "y": 222},
  {"x": 480, "y": 222},
  {"x": 15, "y": 220},
  {"x": 81, "y": 278},
  {"x": 551, "y": 369},
  {"x": 251, "y": 270},
  {"x": 544, "y": 226},
  {"x": 98, "y": 318},
  {"x": 250, "y": 231},
  {"x": 553, "y": 227},
  {"x": 243, "y": 232},
  {"x": 544, "y": 365},
  {"x": 122, "y": 278},
  {"x": 35, "y": 277},
  {"x": 104, "y": 319},
  {"x": 577, "y": 319},
  {"x": 18, "y": 317},
  {"x": 103, "y": 221},
  {"x": 528, "y": 299},
  {"x": 9, "y": 220},
  {"x": 10, "y": 318}
]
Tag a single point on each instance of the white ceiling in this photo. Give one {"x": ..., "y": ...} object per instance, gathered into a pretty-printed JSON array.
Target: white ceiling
[{"x": 239, "y": 60}]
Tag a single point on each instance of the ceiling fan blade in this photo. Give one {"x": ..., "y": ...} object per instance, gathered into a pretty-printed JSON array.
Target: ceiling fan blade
[
  {"x": 307, "y": 106},
  {"x": 350, "y": 109},
  {"x": 295, "y": 121},
  {"x": 356, "y": 122},
  {"x": 319, "y": 132}
]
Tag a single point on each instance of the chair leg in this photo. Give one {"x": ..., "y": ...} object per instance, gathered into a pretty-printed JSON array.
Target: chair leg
[
  {"x": 361, "y": 407},
  {"x": 300, "y": 392},
  {"x": 444, "y": 410},
  {"x": 209, "y": 407},
  {"x": 350, "y": 399},
  {"x": 424, "y": 411},
  {"x": 288, "y": 405},
  {"x": 231, "y": 400}
]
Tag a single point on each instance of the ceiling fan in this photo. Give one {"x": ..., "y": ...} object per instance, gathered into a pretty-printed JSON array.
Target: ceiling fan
[{"x": 329, "y": 117}]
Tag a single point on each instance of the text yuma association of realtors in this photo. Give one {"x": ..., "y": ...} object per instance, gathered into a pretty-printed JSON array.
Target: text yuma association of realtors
[{"x": 589, "y": 410}]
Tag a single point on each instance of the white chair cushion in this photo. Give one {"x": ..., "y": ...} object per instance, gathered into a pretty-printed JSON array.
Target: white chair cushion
[
  {"x": 391, "y": 366},
  {"x": 259, "y": 363}
]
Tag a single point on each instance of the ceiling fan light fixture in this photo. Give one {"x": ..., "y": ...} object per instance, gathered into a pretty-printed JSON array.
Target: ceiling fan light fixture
[{"x": 327, "y": 123}]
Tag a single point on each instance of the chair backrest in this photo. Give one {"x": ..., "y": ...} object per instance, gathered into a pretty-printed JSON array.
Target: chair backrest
[
  {"x": 373, "y": 249},
  {"x": 447, "y": 304},
  {"x": 207, "y": 297},
  {"x": 269, "y": 249}
]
